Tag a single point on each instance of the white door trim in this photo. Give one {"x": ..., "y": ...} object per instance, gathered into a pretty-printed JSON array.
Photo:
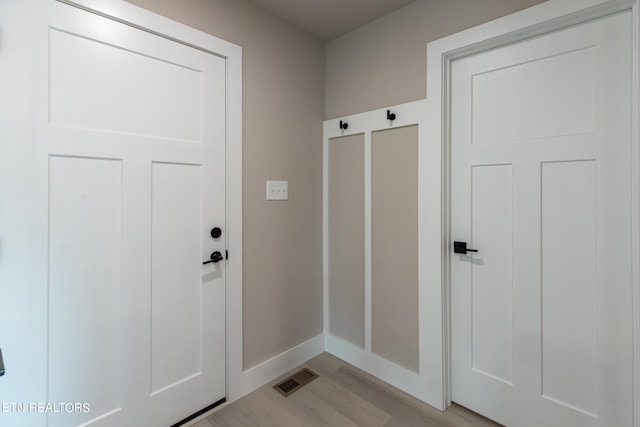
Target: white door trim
[
  {"x": 145, "y": 20},
  {"x": 532, "y": 22},
  {"x": 635, "y": 207}
]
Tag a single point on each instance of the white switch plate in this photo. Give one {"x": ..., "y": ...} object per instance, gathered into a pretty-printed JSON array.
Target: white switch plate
[{"x": 277, "y": 190}]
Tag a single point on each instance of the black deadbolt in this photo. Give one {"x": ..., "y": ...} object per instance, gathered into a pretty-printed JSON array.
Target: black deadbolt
[{"x": 216, "y": 232}]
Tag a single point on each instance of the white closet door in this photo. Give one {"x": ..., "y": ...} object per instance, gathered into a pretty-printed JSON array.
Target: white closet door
[{"x": 541, "y": 314}]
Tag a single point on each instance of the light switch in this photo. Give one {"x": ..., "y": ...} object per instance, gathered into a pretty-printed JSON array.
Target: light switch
[{"x": 277, "y": 190}]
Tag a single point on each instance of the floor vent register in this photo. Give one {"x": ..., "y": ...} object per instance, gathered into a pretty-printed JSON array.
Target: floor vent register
[{"x": 295, "y": 382}]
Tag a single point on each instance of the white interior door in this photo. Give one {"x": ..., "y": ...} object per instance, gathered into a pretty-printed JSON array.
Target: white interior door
[
  {"x": 128, "y": 132},
  {"x": 540, "y": 174}
]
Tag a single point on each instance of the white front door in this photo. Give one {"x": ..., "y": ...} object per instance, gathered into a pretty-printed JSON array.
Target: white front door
[
  {"x": 541, "y": 188},
  {"x": 127, "y": 147}
]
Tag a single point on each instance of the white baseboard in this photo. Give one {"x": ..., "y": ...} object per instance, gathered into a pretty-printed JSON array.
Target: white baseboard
[
  {"x": 404, "y": 379},
  {"x": 259, "y": 375}
]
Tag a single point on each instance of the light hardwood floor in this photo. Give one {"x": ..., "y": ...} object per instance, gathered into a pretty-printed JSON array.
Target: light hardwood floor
[{"x": 342, "y": 396}]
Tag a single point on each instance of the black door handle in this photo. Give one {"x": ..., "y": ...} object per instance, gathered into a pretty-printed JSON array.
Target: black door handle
[
  {"x": 461, "y": 248},
  {"x": 215, "y": 257},
  {"x": 1, "y": 364}
]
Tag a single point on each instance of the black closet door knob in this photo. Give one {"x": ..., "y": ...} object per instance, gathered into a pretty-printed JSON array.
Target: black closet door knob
[{"x": 216, "y": 232}]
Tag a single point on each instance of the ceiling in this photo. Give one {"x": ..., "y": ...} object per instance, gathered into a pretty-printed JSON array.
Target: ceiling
[{"x": 328, "y": 19}]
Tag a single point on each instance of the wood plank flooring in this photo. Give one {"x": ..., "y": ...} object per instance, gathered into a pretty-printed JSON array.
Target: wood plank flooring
[{"x": 342, "y": 396}]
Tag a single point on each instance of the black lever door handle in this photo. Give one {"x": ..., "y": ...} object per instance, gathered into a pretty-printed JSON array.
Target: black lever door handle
[
  {"x": 1, "y": 364},
  {"x": 461, "y": 248},
  {"x": 215, "y": 257}
]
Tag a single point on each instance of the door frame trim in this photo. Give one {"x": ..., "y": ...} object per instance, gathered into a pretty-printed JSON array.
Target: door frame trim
[
  {"x": 544, "y": 18},
  {"x": 145, "y": 20}
]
